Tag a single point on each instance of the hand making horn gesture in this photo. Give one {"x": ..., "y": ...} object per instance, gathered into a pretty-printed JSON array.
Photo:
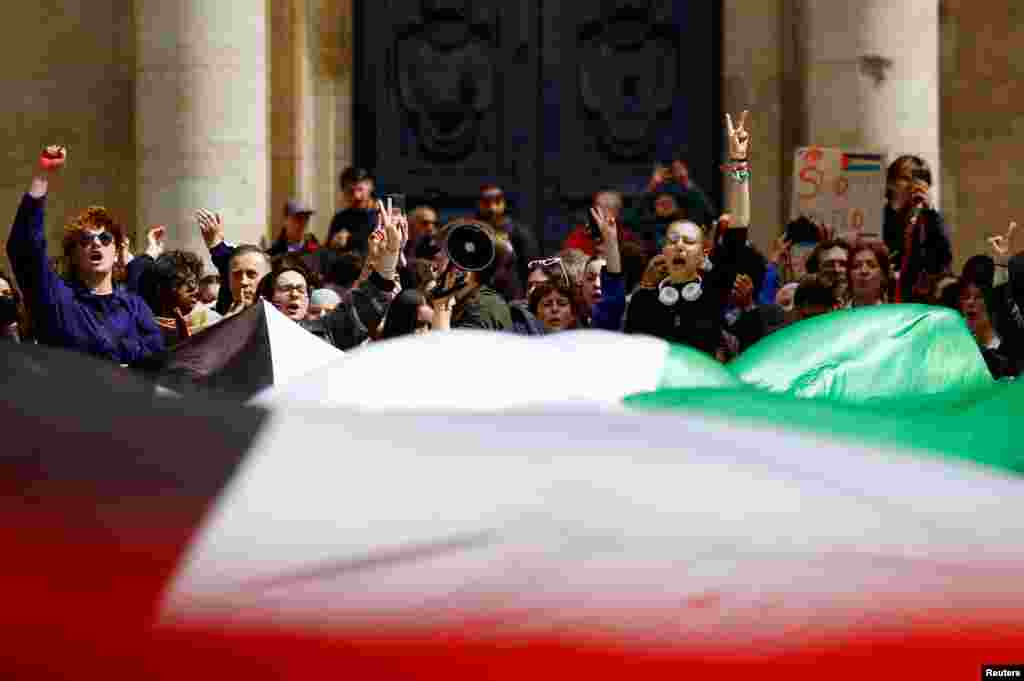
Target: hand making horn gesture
[
  {"x": 739, "y": 137},
  {"x": 1002, "y": 243}
]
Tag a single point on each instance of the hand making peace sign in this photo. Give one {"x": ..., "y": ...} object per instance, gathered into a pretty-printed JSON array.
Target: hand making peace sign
[{"x": 739, "y": 137}]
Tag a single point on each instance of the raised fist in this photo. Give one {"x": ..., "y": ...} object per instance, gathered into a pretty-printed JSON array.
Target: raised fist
[{"x": 53, "y": 158}]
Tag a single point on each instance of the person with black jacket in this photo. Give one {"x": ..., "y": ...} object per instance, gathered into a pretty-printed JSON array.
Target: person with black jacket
[
  {"x": 350, "y": 324},
  {"x": 914, "y": 232},
  {"x": 1007, "y": 310},
  {"x": 686, "y": 307}
]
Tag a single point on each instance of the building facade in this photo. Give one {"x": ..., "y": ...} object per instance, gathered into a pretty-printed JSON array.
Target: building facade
[{"x": 168, "y": 106}]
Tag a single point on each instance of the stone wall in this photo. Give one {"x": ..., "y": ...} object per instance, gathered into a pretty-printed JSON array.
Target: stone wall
[
  {"x": 983, "y": 120},
  {"x": 69, "y": 77},
  {"x": 72, "y": 79}
]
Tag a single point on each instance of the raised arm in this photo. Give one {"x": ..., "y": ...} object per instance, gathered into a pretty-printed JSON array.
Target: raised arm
[
  {"x": 26, "y": 246},
  {"x": 607, "y": 312},
  {"x": 738, "y": 171}
]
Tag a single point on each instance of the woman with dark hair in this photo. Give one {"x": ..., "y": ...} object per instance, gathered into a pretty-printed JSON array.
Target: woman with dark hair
[
  {"x": 974, "y": 304},
  {"x": 171, "y": 288},
  {"x": 914, "y": 232},
  {"x": 85, "y": 311},
  {"x": 409, "y": 314},
  {"x": 869, "y": 273},
  {"x": 556, "y": 306}
]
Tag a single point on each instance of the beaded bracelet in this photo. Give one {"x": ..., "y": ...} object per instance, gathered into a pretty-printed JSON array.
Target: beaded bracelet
[{"x": 738, "y": 169}]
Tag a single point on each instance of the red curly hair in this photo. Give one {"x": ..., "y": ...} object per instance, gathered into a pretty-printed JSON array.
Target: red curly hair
[{"x": 94, "y": 217}]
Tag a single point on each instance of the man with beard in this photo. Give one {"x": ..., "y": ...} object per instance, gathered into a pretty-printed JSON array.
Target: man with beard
[{"x": 492, "y": 209}]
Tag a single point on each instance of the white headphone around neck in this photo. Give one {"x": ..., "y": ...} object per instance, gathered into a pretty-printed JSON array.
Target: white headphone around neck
[{"x": 669, "y": 295}]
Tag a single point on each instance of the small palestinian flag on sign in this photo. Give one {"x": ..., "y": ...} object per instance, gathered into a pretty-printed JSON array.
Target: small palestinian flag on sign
[{"x": 862, "y": 163}]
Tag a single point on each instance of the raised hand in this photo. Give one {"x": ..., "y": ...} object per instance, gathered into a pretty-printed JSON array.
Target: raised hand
[
  {"x": 780, "y": 252},
  {"x": 739, "y": 137},
  {"x": 390, "y": 223},
  {"x": 212, "y": 226},
  {"x": 1002, "y": 243},
  {"x": 53, "y": 159},
  {"x": 156, "y": 241}
]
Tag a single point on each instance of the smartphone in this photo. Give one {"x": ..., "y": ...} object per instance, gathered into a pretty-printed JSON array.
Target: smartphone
[
  {"x": 397, "y": 202},
  {"x": 595, "y": 231}
]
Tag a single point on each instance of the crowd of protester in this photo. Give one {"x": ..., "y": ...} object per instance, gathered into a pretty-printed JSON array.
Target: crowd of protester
[{"x": 670, "y": 266}]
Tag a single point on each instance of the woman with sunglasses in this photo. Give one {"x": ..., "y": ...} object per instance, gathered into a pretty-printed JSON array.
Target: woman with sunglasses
[
  {"x": 545, "y": 271},
  {"x": 85, "y": 311},
  {"x": 171, "y": 289}
]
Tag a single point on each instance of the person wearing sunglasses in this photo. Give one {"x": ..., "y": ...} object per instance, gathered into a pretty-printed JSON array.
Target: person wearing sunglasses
[
  {"x": 171, "y": 289},
  {"x": 546, "y": 271},
  {"x": 86, "y": 311}
]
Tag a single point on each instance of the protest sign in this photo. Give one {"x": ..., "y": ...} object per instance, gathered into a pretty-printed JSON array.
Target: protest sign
[{"x": 839, "y": 188}]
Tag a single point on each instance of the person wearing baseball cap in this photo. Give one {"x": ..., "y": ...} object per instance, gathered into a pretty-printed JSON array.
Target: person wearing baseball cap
[{"x": 293, "y": 237}]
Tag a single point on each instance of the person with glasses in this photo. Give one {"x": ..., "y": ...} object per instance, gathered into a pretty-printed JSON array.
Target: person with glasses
[
  {"x": 545, "y": 271},
  {"x": 171, "y": 288},
  {"x": 350, "y": 324},
  {"x": 85, "y": 311}
]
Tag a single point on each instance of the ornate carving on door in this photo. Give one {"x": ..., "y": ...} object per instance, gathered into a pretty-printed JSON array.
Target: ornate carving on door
[
  {"x": 446, "y": 78},
  {"x": 628, "y": 75}
]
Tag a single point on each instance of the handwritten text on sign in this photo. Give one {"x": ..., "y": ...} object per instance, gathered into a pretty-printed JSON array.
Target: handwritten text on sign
[{"x": 843, "y": 189}]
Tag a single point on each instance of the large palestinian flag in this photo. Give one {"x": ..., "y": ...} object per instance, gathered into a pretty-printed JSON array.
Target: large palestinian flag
[
  {"x": 244, "y": 354},
  {"x": 721, "y": 531}
]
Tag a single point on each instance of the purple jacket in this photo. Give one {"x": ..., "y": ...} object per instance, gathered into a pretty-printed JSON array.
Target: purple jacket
[{"x": 65, "y": 314}]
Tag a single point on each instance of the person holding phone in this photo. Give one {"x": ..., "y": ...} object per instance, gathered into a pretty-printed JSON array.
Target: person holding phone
[
  {"x": 87, "y": 311},
  {"x": 915, "y": 233},
  {"x": 688, "y": 306}
]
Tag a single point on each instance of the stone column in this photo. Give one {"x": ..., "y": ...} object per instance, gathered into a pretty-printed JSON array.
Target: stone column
[
  {"x": 201, "y": 127},
  {"x": 872, "y": 76}
]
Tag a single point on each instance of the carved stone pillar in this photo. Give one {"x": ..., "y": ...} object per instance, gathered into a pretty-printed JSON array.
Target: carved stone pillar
[
  {"x": 872, "y": 76},
  {"x": 202, "y": 123}
]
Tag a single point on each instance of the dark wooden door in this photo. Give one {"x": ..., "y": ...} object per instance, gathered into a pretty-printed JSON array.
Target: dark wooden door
[{"x": 551, "y": 99}]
